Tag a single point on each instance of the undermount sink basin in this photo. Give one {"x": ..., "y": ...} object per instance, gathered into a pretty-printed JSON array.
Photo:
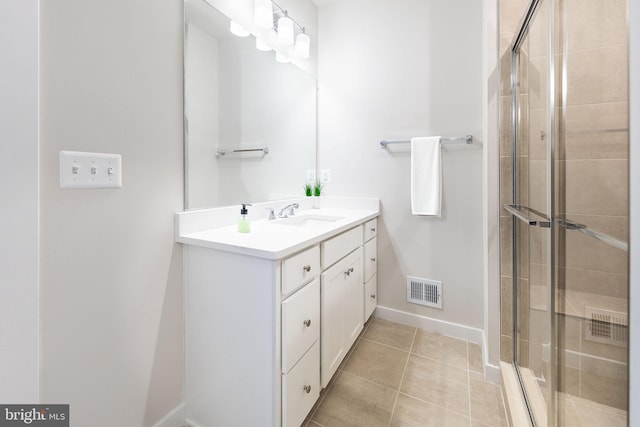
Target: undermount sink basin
[{"x": 312, "y": 220}]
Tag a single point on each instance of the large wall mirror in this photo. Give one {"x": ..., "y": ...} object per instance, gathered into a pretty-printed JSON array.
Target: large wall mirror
[{"x": 250, "y": 122}]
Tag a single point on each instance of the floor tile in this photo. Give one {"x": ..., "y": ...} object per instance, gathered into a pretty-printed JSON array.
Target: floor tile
[
  {"x": 390, "y": 333},
  {"x": 440, "y": 379},
  {"x": 437, "y": 383},
  {"x": 474, "y": 352},
  {"x": 410, "y": 412},
  {"x": 443, "y": 349},
  {"x": 486, "y": 401},
  {"x": 353, "y": 401},
  {"x": 379, "y": 363}
]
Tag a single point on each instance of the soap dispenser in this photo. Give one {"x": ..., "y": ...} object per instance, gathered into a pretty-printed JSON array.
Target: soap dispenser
[{"x": 244, "y": 226}]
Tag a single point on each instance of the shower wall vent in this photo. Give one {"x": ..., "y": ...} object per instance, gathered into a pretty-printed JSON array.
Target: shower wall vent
[
  {"x": 424, "y": 291},
  {"x": 605, "y": 326}
]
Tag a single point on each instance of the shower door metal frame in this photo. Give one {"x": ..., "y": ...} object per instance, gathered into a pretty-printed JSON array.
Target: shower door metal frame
[{"x": 517, "y": 210}]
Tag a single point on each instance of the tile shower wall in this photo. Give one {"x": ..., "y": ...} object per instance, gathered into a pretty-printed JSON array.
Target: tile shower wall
[{"x": 592, "y": 163}]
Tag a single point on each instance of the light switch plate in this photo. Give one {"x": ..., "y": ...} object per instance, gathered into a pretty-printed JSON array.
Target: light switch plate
[{"x": 90, "y": 170}]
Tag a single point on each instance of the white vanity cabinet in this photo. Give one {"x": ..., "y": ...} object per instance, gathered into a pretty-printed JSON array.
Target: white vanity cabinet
[
  {"x": 370, "y": 267},
  {"x": 252, "y": 338},
  {"x": 266, "y": 331}
]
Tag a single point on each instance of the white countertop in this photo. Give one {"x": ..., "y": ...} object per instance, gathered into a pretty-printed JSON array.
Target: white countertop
[{"x": 273, "y": 239}]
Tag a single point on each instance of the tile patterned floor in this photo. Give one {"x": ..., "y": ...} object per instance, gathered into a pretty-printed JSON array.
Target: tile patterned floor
[{"x": 399, "y": 376}]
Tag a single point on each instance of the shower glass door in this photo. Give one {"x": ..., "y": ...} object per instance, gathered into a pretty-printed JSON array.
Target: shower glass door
[
  {"x": 592, "y": 212},
  {"x": 532, "y": 226},
  {"x": 570, "y": 212}
]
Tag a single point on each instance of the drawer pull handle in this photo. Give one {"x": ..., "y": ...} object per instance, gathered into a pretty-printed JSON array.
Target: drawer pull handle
[
  {"x": 349, "y": 271},
  {"x": 307, "y": 388},
  {"x": 373, "y": 259},
  {"x": 307, "y": 322},
  {"x": 373, "y": 229},
  {"x": 307, "y": 268},
  {"x": 373, "y": 296}
]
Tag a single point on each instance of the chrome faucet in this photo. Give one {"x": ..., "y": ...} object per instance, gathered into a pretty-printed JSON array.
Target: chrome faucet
[
  {"x": 271, "y": 216},
  {"x": 288, "y": 210}
]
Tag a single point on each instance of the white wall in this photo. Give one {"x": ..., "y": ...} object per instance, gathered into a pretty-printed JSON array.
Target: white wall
[
  {"x": 393, "y": 70},
  {"x": 111, "y": 310},
  {"x": 19, "y": 195},
  {"x": 491, "y": 182}
]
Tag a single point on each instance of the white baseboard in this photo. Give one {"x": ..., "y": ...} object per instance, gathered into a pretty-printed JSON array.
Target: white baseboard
[
  {"x": 441, "y": 327},
  {"x": 191, "y": 423},
  {"x": 175, "y": 418},
  {"x": 492, "y": 373},
  {"x": 454, "y": 330}
]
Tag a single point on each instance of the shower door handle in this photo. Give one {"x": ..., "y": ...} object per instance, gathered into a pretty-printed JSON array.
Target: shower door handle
[
  {"x": 525, "y": 214},
  {"x": 605, "y": 238}
]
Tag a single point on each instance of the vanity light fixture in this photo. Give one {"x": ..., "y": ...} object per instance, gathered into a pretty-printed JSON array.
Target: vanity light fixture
[
  {"x": 285, "y": 30},
  {"x": 238, "y": 29},
  {"x": 263, "y": 14},
  {"x": 303, "y": 43}
]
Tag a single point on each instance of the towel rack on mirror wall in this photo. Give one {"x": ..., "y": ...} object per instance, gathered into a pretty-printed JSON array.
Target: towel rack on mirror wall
[
  {"x": 467, "y": 139},
  {"x": 223, "y": 152}
]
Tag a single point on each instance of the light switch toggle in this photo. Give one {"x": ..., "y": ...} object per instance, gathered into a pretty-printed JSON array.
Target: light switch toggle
[{"x": 90, "y": 170}]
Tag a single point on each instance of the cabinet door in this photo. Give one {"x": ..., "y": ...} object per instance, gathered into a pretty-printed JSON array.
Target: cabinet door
[
  {"x": 300, "y": 269},
  {"x": 341, "y": 311},
  {"x": 370, "y": 259},
  {"x": 370, "y": 296},
  {"x": 353, "y": 302},
  {"x": 332, "y": 342},
  {"x": 300, "y": 323},
  {"x": 370, "y": 229},
  {"x": 300, "y": 388}
]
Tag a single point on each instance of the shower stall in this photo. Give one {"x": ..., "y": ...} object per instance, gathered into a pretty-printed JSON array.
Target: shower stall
[{"x": 567, "y": 217}]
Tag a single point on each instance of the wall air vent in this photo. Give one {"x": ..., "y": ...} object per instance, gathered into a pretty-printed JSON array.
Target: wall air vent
[
  {"x": 605, "y": 326},
  {"x": 424, "y": 292}
]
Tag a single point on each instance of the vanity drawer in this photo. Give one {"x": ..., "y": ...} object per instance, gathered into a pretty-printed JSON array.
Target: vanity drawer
[
  {"x": 301, "y": 388},
  {"x": 370, "y": 296},
  {"x": 300, "y": 323},
  {"x": 300, "y": 269},
  {"x": 370, "y": 259},
  {"x": 340, "y": 246},
  {"x": 370, "y": 229}
]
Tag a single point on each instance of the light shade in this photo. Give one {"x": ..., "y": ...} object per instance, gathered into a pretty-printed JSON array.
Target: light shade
[
  {"x": 283, "y": 59},
  {"x": 260, "y": 45},
  {"x": 238, "y": 29},
  {"x": 263, "y": 14},
  {"x": 303, "y": 42},
  {"x": 285, "y": 30}
]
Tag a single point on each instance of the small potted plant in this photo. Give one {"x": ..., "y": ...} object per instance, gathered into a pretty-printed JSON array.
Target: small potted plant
[
  {"x": 308, "y": 189},
  {"x": 317, "y": 189},
  {"x": 317, "y": 192}
]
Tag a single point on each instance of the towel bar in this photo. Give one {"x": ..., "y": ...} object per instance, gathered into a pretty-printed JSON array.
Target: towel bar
[{"x": 467, "y": 138}]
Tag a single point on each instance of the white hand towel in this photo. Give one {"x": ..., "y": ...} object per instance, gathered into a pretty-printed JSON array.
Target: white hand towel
[{"x": 426, "y": 176}]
